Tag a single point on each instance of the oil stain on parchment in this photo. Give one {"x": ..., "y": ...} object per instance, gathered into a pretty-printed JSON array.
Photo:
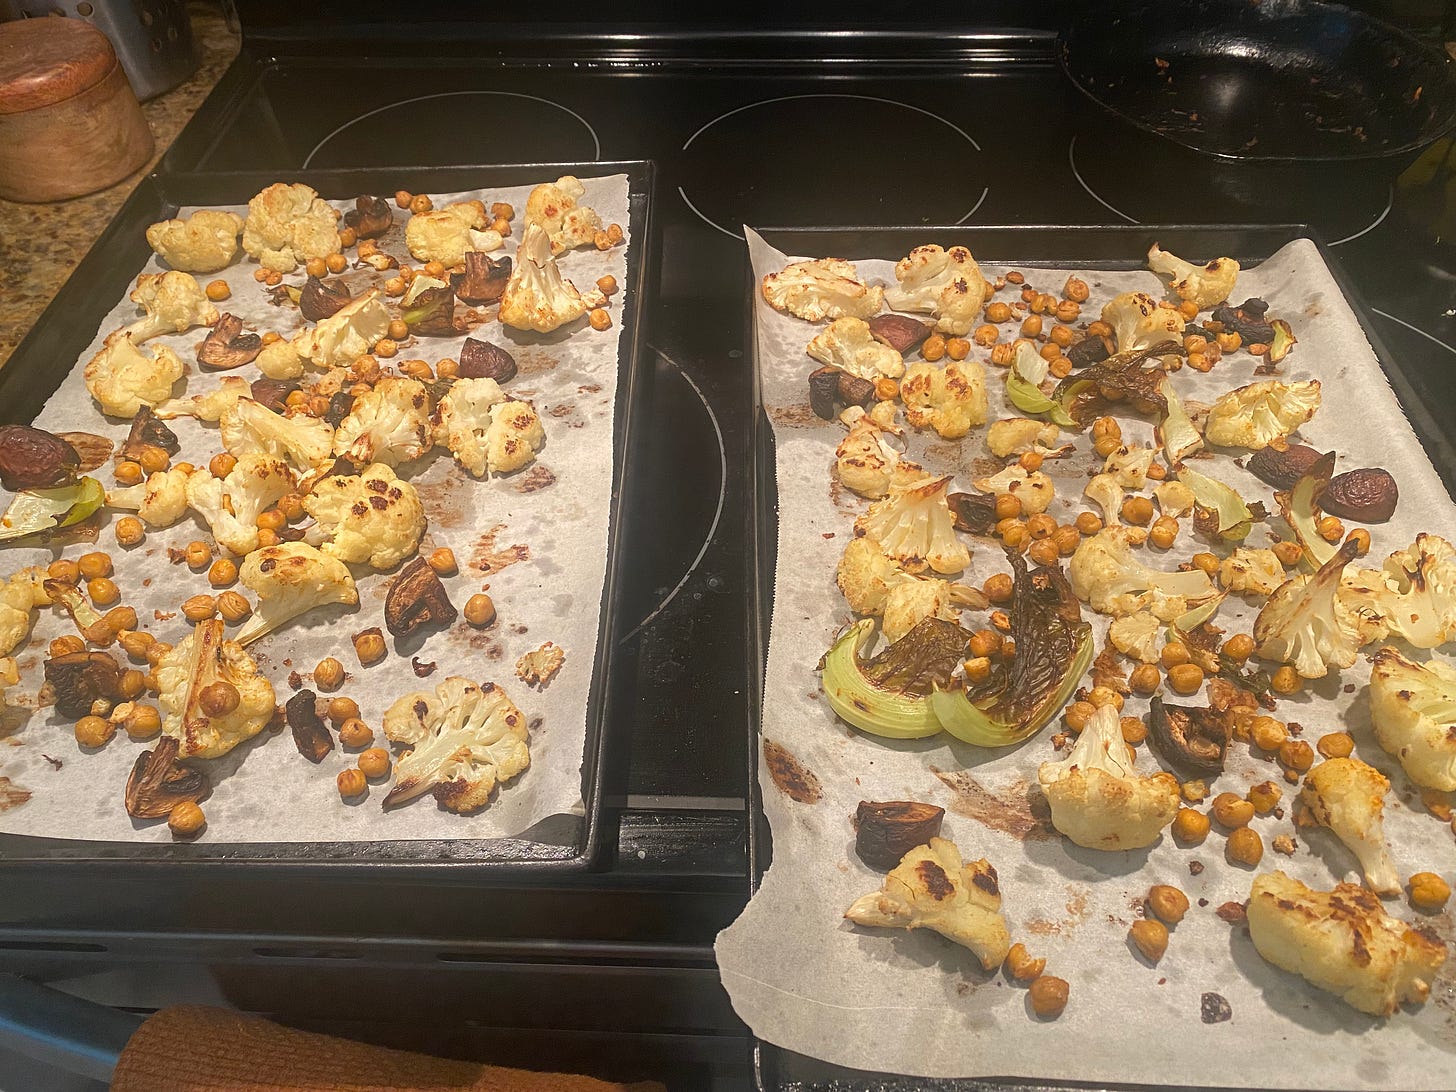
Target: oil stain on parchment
[
  {"x": 11, "y": 794},
  {"x": 535, "y": 479},
  {"x": 1015, "y": 811},
  {"x": 487, "y": 558}
]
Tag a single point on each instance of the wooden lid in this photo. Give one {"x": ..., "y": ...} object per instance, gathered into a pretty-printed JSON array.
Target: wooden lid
[{"x": 46, "y": 61}]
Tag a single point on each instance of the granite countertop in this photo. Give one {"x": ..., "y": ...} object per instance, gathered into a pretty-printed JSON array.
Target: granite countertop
[{"x": 41, "y": 244}]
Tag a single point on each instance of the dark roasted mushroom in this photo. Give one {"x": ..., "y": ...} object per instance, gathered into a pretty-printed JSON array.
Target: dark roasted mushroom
[
  {"x": 1247, "y": 320},
  {"x": 484, "y": 279},
  {"x": 319, "y": 300},
  {"x": 432, "y": 312},
  {"x": 823, "y": 390},
  {"x": 79, "y": 679},
  {"x": 370, "y": 217},
  {"x": 900, "y": 332},
  {"x": 974, "y": 513},
  {"x": 1282, "y": 467},
  {"x": 482, "y": 360},
  {"x": 309, "y": 734},
  {"x": 147, "y": 430},
  {"x": 273, "y": 392},
  {"x": 885, "y": 832},
  {"x": 417, "y": 598},
  {"x": 31, "y": 458},
  {"x": 1189, "y": 739},
  {"x": 1088, "y": 351},
  {"x": 339, "y": 406},
  {"x": 1368, "y": 495},
  {"x": 226, "y": 346},
  {"x": 854, "y": 391},
  {"x": 157, "y": 784}
]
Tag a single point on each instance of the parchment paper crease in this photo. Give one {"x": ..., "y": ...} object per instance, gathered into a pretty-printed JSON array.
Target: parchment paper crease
[
  {"x": 536, "y": 537},
  {"x": 914, "y": 1003}
]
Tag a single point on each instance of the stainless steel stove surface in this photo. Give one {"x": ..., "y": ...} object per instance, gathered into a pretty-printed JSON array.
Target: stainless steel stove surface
[{"x": 778, "y": 130}]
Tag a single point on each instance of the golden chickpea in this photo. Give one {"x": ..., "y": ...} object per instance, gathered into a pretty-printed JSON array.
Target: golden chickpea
[
  {"x": 142, "y": 722},
  {"x": 1087, "y": 523},
  {"x": 1194, "y": 791},
  {"x": 1008, "y": 506},
  {"x": 1244, "y": 847},
  {"x": 1296, "y": 754},
  {"x": 886, "y": 389},
  {"x": 1330, "y": 528},
  {"x": 1285, "y": 681},
  {"x": 449, "y": 369},
  {"x": 315, "y": 267},
  {"x": 417, "y": 369},
  {"x": 94, "y": 731},
  {"x": 354, "y": 734},
  {"x": 1049, "y": 352},
  {"x": 1076, "y": 290},
  {"x": 1043, "y": 552},
  {"x": 1041, "y": 525},
  {"x": 1185, "y": 678},
  {"x": 186, "y": 820},
  {"x": 1335, "y": 745},
  {"x": 1239, "y": 647},
  {"x": 998, "y": 312},
  {"x": 1164, "y": 531},
  {"x": 267, "y": 537},
  {"x": 129, "y": 531},
  {"x": 217, "y": 290},
  {"x": 1167, "y": 903},
  {"x": 1150, "y": 937},
  {"x": 394, "y": 286},
  {"x": 128, "y": 472},
  {"x": 957, "y": 348},
  {"x": 1000, "y": 354},
  {"x": 1048, "y": 996},
  {"x": 479, "y": 610},
  {"x": 341, "y": 709},
  {"x": 63, "y": 571},
  {"x": 1068, "y": 311},
  {"x": 1288, "y": 552},
  {"x": 420, "y": 203},
  {"x": 1134, "y": 731},
  {"x": 1229, "y": 341},
  {"x": 1174, "y": 654},
  {"x": 1067, "y": 540},
  {"x": 347, "y": 237},
  {"x": 219, "y": 699},
  {"x": 156, "y": 650},
  {"x": 296, "y": 400},
  {"x": 154, "y": 459},
  {"x": 223, "y": 571},
  {"x": 1101, "y": 696},
  {"x": 328, "y": 674},
  {"x": 442, "y": 561},
  {"x": 66, "y": 646},
  {"x": 135, "y": 644},
  {"x": 1157, "y": 472},
  {"x": 351, "y": 783},
  {"x": 1106, "y": 435},
  {"x": 199, "y": 608},
  {"x": 233, "y": 607},
  {"x": 977, "y": 669},
  {"x": 1265, "y": 797},
  {"x": 1015, "y": 536},
  {"x": 221, "y": 465},
  {"x": 998, "y": 588},
  {"x": 1361, "y": 538},
  {"x": 402, "y": 198},
  {"x": 1001, "y": 620},
  {"x": 260, "y": 275},
  {"x": 1232, "y": 810},
  {"x": 599, "y": 318},
  {"x": 92, "y": 565},
  {"x": 434, "y": 269},
  {"x": 984, "y": 642},
  {"x": 933, "y": 348},
  {"x": 271, "y": 336},
  {"x": 369, "y": 647},
  {"x": 1190, "y": 827},
  {"x": 1267, "y": 734},
  {"x": 103, "y": 592},
  {"x": 1188, "y": 309},
  {"x": 1428, "y": 891},
  {"x": 1078, "y": 714},
  {"x": 198, "y": 554},
  {"x": 386, "y": 348},
  {"x": 1144, "y": 679},
  {"x": 374, "y": 762},
  {"x": 1137, "y": 511},
  {"x": 1206, "y": 561},
  {"x": 1020, "y": 966}
]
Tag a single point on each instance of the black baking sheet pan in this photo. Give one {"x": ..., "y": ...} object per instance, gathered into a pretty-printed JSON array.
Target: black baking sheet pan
[
  {"x": 1120, "y": 247},
  {"x": 562, "y": 843}
]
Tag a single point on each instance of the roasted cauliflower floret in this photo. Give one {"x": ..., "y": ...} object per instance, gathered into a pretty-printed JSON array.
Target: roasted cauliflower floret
[
  {"x": 1204, "y": 285},
  {"x": 464, "y": 740},
  {"x": 1300, "y": 624},
  {"x": 1251, "y": 571},
  {"x": 1104, "y": 573},
  {"x": 912, "y": 601},
  {"x": 287, "y": 224},
  {"x": 1347, "y": 797},
  {"x": 444, "y": 235},
  {"x": 212, "y": 693},
  {"x": 1413, "y": 595},
  {"x": 1019, "y": 435},
  {"x": 161, "y": 500},
  {"x": 826, "y": 288},
  {"x": 1130, "y": 465},
  {"x": 204, "y": 242},
  {"x": 1342, "y": 941},
  {"x": 249, "y": 427},
  {"x": 865, "y": 576},
  {"x": 913, "y": 525},
  {"x": 212, "y": 405},
  {"x": 1139, "y": 322},
  {"x": 950, "y": 400},
  {"x": 389, "y": 424},
  {"x": 846, "y": 343},
  {"x": 280, "y": 360},
  {"x": 554, "y": 207},
  {"x": 1097, "y": 799},
  {"x": 1256, "y": 415},
  {"x": 1034, "y": 489},
  {"x": 1139, "y": 635},
  {"x": 1413, "y": 707},
  {"x": 867, "y": 463},
  {"x": 537, "y": 297},
  {"x": 944, "y": 283},
  {"x": 371, "y": 518},
  {"x": 123, "y": 378},
  {"x": 19, "y": 596},
  {"x": 343, "y": 337},
  {"x": 173, "y": 302},
  {"x": 231, "y": 505},
  {"x": 290, "y": 579},
  {"x": 932, "y": 888}
]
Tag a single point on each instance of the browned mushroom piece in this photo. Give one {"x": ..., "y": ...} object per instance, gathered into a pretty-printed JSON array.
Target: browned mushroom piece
[
  {"x": 885, "y": 832},
  {"x": 147, "y": 430},
  {"x": 226, "y": 346},
  {"x": 310, "y": 735},
  {"x": 157, "y": 784},
  {"x": 900, "y": 332},
  {"x": 319, "y": 300},
  {"x": 482, "y": 360},
  {"x": 484, "y": 279},
  {"x": 1281, "y": 467},
  {"x": 854, "y": 391},
  {"x": 80, "y": 678},
  {"x": 273, "y": 393},
  {"x": 31, "y": 458},
  {"x": 974, "y": 513},
  {"x": 1189, "y": 739},
  {"x": 824, "y": 391},
  {"x": 370, "y": 217},
  {"x": 417, "y": 598},
  {"x": 1368, "y": 495}
]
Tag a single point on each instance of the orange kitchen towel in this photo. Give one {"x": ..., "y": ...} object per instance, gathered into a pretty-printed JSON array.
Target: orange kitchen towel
[{"x": 195, "y": 1048}]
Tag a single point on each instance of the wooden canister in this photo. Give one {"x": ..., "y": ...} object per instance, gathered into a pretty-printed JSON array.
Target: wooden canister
[{"x": 69, "y": 123}]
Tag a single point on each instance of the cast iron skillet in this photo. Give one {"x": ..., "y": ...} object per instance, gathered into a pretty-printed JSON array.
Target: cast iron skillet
[{"x": 1262, "y": 79}]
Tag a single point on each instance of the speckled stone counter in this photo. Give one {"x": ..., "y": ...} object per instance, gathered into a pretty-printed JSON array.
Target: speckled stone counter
[{"x": 41, "y": 244}]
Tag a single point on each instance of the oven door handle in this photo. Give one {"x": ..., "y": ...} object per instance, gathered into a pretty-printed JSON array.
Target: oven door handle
[{"x": 62, "y": 1031}]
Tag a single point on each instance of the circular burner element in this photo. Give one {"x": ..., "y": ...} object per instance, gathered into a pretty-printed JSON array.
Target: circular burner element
[
  {"x": 1176, "y": 186},
  {"x": 507, "y": 127},
  {"x": 827, "y": 159}
]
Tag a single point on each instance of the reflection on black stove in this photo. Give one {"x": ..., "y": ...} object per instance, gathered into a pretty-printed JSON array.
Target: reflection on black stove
[
  {"x": 482, "y": 127},
  {"x": 1178, "y": 186},
  {"x": 827, "y": 159}
]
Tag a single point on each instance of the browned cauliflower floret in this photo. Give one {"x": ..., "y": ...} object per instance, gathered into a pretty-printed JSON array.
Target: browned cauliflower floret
[
  {"x": 122, "y": 378},
  {"x": 204, "y": 242},
  {"x": 950, "y": 400},
  {"x": 212, "y": 692},
  {"x": 287, "y": 225},
  {"x": 371, "y": 518},
  {"x": 444, "y": 235},
  {"x": 555, "y": 207},
  {"x": 826, "y": 288},
  {"x": 537, "y": 297},
  {"x": 945, "y": 283}
]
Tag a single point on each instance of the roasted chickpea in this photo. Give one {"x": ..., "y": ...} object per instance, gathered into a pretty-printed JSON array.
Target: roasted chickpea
[
  {"x": 420, "y": 203},
  {"x": 347, "y": 237},
  {"x": 1285, "y": 681},
  {"x": 448, "y": 369},
  {"x": 932, "y": 348},
  {"x": 1361, "y": 538},
  {"x": 1087, "y": 523},
  {"x": 199, "y": 608},
  {"x": 1239, "y": 647},
  {"x": 1000, "y": 354},
  {"x": 1194, "y": 791},
  {"x": 1244, "y": 847},
  {"x": 198, "y": 554},
  {"x": 1134, "y": 731},
  {"x": 402, "y": 198},
  {"x": 1137, "y": 511},
  {"x": 998, "y": 312},
  {"x": 267, "y": 537},
  {"x": 1428, "y": 891},
  {"x": 398, "y": 330},
  {"x": 129, "y": 531},
  {"x": 599, "y": 318},
  {"x": 94, "y": 731},
  {"x": 984, "y": 642},
  {"x": 1144, "y": 679},
  {"x": 217, "y": 291},
  {"x": 1100, "y": 696},
  {"x": 1296, "y": 754},
  {"x": 1150, "y": 937},
  {"x": 369, "y": 647},
  {"x": 223, "y": 571},
  {"x": 136, "y": 643},
  {"x": 607, "y": 285},
  {"x": 1335, "y": 745},
  {"x": 1048, "y": 996},
  {"x": 1068, "y": 311},
  {"x": 1189, "y": 826},
  {"x": 186, "y": 820},
  {"x": 1164, "y": 532},
  {"x": 1041, "y": 525},
  {"x": 315, "y": 267},
  {"x": 479, "y": 610},
  {"x": 394, "y": 286},
  {"x": 1267, "y": 734},
  {"x": 328, "y": 674},
  {"x": 1106, "y": 435},
  {"x": 1174, "y": 654},
  {"x": 341, "y": 709},
  {"x": 66, "y": 645},
  {"x": 1043, "y": 552},
  {"x": 142, "y": 722},
  {"x": 1167, "y": 902},
  {"x": 1076, "y": 290},
  {"x": 374, "y": 762},
  {"x": 1078, "y": 714},
  {"x": 1206, "y": 561},
  {"x": 351, "y": 783},
  {"x": 103, "y": 592},
  {"x": 1185, "y": 678},
  {"x": 1288, "y": 552},
  {"x": 1020, "y": 966},
  {"x": 1330, "y": 528},
  {"x": 219, "y": 699},
  {"x": 233, "y": 607},
  {"x": 93, "y": 565},
  {"x": 354, "y": 733},
  {"x": 977, "y": 669},
  {"x": 1265, "y": 797},
  {"x": 64, "y": 572},
  {"x": 1067, "y": 539},
  {"x": 1008, "y": 506},
  {"x": 998, "y": 588},
  {"x": 128, "y": 472},
  {"x": 1232, "y": 810}
]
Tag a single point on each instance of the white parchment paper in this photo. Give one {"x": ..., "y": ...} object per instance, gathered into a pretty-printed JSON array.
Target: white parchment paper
[
  {"x": 537, "y": 538},
  {"x": 914, "y": 1003}
]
